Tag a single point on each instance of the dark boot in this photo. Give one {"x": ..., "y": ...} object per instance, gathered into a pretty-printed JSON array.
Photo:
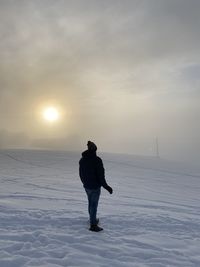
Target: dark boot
[{"x": 95, "y": 228}]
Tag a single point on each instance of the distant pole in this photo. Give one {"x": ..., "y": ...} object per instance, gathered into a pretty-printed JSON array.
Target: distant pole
[{"x": 157, "y": 148}]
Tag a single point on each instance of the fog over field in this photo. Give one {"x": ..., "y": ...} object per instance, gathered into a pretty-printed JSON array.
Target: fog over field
[{"x": 121, "y": 73}]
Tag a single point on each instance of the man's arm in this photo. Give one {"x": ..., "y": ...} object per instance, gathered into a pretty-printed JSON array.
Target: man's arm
[
  {"x": 101, "y": 175},
  {"x": 80, "y": 171}
]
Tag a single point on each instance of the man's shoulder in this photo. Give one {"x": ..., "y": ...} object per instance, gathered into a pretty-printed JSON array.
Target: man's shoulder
[{"x": 98, "y": 159}]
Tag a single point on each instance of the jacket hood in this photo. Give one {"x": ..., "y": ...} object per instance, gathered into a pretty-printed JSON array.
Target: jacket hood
[{"x": 88, "y": 154}]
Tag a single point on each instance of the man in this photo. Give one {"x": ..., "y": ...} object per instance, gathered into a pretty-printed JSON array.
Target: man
[{"x": 92, "y": 175}]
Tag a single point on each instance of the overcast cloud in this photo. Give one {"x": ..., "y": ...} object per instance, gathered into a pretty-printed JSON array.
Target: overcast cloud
[{"x": 122, "y": 72}]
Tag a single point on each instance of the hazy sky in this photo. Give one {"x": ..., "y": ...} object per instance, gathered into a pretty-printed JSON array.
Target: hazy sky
[{"x": 121, "y": 73}]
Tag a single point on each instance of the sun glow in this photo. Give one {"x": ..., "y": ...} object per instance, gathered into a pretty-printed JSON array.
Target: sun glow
[{"x": 51, "y": 114}]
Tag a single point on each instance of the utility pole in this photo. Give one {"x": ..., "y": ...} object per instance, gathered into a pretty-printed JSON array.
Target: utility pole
[{"x": 157, "y": 148}]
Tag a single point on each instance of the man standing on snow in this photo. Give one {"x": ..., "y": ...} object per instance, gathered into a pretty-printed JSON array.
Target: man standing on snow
[{"x": 92, "y": 175}]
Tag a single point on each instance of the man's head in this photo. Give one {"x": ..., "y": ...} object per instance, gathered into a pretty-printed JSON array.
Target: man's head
[{"x": 91, "y": 146}]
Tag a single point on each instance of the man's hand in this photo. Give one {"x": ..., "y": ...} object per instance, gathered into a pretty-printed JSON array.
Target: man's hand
[{"x": 110, "y": 190}]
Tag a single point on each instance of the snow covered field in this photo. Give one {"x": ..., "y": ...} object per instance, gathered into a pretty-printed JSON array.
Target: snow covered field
[{"x": 152, "y": 219}]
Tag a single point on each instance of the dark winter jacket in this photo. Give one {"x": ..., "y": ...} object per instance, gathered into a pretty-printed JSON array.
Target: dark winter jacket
[{"x": 91, "y": 171}]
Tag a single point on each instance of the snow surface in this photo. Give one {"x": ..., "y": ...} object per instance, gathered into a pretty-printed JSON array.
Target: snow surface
[{"x": 152, "y": 219}]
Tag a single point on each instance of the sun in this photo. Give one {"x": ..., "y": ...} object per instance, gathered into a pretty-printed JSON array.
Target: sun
[{"x": 51, "y": 114}]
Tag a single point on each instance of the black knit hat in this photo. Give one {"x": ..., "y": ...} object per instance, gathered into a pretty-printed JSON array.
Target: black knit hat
[{"x": 91, "y": 146}]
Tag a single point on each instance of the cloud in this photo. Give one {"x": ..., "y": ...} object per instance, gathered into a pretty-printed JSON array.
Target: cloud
[{"x": 64, "y": 43}]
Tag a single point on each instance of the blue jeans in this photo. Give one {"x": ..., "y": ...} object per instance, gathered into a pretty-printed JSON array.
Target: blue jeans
[{"x": 93, "y": 199}]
